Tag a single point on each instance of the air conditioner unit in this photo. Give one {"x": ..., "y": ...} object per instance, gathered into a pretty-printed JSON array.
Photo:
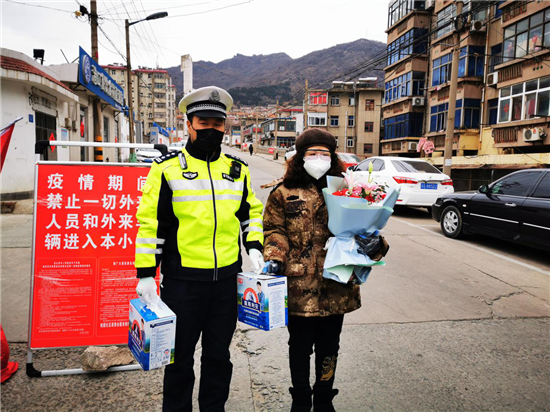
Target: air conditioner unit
[
  {"x": 412, "y": 146},
  {"x": 68, "y": 122},
  {"x": 492, "y": 79},
  {"x": 429, "y": 4},
  {"x": 477, "y": 25},
  {"x": 532, "y": 135},
  {"x": 418, "y": 101}
]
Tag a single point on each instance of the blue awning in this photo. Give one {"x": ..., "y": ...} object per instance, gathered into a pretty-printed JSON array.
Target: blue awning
[{"x": 162, "y": 131}]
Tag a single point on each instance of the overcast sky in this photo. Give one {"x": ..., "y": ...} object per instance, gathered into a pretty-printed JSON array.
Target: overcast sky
[{"x": 212, "y": 30}]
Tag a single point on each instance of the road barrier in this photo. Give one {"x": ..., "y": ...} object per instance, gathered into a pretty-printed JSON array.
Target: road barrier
[{"x": 83, "y": 252}]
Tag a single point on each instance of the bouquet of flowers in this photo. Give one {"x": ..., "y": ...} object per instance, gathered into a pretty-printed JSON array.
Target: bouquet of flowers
[{"x": 356, "y": 211}]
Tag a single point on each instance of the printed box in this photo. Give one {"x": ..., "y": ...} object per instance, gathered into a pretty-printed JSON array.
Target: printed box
[
  {"x": 262, "y": 300},
  {"x": 151, "y": 335}
]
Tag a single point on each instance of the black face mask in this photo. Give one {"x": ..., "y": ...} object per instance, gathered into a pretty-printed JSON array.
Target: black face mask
[{"x": 208, "y": 140}]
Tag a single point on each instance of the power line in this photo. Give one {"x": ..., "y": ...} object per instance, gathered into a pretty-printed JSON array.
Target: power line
[{"x": 38, "y": 5}]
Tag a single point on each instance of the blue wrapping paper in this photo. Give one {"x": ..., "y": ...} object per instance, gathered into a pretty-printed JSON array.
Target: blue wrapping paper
[{"x": 348, "y": 216}]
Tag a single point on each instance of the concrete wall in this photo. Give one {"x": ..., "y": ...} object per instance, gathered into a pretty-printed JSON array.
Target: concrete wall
[{"x": 18, "y": 171}]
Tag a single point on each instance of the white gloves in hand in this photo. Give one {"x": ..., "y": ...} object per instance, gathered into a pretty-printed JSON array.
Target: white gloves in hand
[
  {"x": 147, "y": 292},
  {"x": 257, "y": 259}
]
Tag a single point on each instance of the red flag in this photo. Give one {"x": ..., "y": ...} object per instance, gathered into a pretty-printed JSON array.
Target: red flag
[
  {"x": 52, "y": 138},
  {"x": 5, "y": 138}
]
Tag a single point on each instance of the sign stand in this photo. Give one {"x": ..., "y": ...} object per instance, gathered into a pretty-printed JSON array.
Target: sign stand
[{"x": 83, "y": 273}]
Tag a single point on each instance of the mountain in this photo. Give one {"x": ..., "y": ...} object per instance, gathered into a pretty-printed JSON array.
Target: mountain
[{"x": 263, "y": 79}]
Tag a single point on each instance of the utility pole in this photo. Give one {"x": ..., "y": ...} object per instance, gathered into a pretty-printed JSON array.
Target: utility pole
[
  {"x": 256, "y": 131},
  {"x": 129, "y": 85},
  {"x": 276, "y": 127},
  {"x": 96, "y": 104},
  {"x": 346, "y": 133},
  {"x": 449, "y": 133},
  {"x": 305, "y": 106}
]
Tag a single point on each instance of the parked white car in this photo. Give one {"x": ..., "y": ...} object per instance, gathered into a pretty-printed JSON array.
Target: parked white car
[
  {"x": 291, "y": 151},
  {"x": 147, "y": 155},
  {"x": 421, "y": 183}
]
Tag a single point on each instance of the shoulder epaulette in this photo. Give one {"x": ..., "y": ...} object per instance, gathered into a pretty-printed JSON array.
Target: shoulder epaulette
[
  {"x": 167, "y": 156},
  {"x": 238, "y": 159}
]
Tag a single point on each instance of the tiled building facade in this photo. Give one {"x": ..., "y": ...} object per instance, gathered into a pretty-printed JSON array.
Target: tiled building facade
[
  {"x": 351, "y": 111},
  {"x": 153, "y": 95},
  {"x": 503, "y": 87}
]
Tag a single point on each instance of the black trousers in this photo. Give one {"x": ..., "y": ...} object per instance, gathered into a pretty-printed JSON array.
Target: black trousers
[
  {"x": 323, "y": 333},
  {"x": 210, "y": 309}
]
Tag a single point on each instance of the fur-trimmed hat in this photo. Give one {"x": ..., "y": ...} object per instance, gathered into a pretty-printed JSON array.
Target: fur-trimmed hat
[{"x": 314, "y": 137}]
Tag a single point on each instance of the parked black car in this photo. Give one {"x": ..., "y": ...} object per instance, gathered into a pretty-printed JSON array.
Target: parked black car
[{"x": 515, "y": 208}]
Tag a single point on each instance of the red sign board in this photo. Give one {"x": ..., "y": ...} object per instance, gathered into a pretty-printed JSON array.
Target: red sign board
[{"x": 84, "y": 246}]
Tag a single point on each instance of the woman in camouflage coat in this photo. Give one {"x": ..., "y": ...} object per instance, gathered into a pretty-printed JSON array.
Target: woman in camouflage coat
[{"x": 296, "y": 230}]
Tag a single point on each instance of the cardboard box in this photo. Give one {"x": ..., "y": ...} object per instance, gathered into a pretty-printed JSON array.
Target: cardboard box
[
  {"x": 151, "y": 335},
  {"x": 262, "y": 300}
]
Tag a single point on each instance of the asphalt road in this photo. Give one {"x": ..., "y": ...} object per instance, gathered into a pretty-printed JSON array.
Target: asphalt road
[{"x": 446, "y": 325}]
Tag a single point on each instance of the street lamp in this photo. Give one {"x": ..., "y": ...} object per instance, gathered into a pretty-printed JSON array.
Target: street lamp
[{"x": 154, "y": 16}]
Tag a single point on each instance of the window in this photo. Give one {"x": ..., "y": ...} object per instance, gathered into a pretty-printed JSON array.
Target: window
[
  {"x": 335, "y": 100},
  {"x": 467, "y": 114},
  {"x": 444, "y": 21},
  {"x": 470, "y": 115},
  {"x": 496, "y": 57},
  {"x": 414, "y": 41},
  {"x": 400, "y": 8},
  {"x": 351, "y": 101},
  {"x": 478, "y": 13},
  {"x": 524, "y": 100},
  {"x": 517, "y": 184},
  {"x": 367, "y": 148},
  {"x": 317, "y": 119},
  {"x": 527, "y": 36},
  {"x": 438, "y": 117},
  {"x": 369, "y": 127},
  {"x": 543, "y": 189},
  {"x": 441, "y": 72},
  {"x": 493, "y": 111},
  {"x": 404, "y": 125},
  {"x": 369, "y": 105},
  {"x": 334, "y": 121},
  {"x": 377, "y": 165},
  {"x": 471, "y": 60},
  {"x": 350, "y": 141},
  {"x": 105, "y": 129},
  {"x": 351, "y": 121},
  {"x": 411, "y": 166},
  {"x": 408, "y": 84},
  {"x": 318, "y": 98}
]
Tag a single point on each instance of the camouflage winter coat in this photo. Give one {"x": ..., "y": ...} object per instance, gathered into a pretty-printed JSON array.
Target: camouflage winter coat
[{"x": 295, "y": 231}]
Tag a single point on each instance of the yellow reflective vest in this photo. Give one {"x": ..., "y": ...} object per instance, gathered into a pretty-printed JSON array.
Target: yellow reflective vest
[{"x": 191, "y": 214}]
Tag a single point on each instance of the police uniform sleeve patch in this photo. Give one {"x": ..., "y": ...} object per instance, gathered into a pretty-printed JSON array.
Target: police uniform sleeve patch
[
  {"x": 238, "y": 159},
  {"x": 167, "y": 156}
]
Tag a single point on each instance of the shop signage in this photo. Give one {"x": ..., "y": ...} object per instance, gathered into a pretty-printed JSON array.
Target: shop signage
[{"x": 93, "y": 77}]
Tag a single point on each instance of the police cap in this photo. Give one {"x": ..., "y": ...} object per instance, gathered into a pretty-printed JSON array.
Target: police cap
[{"x": 208, "y": 101}]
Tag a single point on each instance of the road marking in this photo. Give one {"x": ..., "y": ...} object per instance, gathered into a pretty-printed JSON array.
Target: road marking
[{"x": 490, "y": 252}]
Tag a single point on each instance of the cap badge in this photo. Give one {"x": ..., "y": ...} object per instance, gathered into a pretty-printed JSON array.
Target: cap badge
[{"x": 215, "y": 96}]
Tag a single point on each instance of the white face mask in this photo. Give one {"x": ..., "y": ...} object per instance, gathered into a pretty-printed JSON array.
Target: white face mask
[{"x": 316, "y": 168}]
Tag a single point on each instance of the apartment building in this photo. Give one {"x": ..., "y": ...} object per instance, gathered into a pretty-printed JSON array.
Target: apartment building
[
  {"x": 406, "y": 73},
  {"x": 354, "y": 116},
  {"x": 351, "y": 111},
  {"x": 503, "y": 87},
  {"x": 153, "y": 96}
]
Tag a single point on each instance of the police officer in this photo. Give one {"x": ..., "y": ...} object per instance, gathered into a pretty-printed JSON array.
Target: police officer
[{"x": 194, "y": 204}]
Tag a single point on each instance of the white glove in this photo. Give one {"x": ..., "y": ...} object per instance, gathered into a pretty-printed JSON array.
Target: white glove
[
  {"x": 147, "y": 292},
  {"x": 257, "y": 260}
]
